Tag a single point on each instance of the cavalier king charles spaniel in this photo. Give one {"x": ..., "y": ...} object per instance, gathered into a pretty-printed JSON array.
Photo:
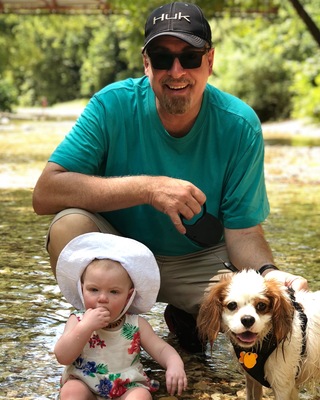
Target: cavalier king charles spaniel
[{"x": 275, "y": 332}]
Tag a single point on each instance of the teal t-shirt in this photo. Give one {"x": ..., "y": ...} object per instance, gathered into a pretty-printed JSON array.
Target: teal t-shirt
[{"x": 120, "y": 133}]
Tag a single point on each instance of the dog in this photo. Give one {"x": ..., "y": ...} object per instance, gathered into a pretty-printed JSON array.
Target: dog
[{"x": 274, "y": 332}]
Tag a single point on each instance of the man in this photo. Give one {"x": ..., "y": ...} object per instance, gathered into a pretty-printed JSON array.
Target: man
[{"x": 148, "y": 157}]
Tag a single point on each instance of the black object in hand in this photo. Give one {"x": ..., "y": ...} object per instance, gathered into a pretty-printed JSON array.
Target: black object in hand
[{"x": 206, "y": 231}]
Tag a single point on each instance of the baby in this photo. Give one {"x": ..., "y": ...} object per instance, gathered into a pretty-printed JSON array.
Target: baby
[{"x": 111, "y": 279}]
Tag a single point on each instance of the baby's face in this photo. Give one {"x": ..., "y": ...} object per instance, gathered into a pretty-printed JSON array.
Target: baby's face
[{"x": 106, "y": 284}]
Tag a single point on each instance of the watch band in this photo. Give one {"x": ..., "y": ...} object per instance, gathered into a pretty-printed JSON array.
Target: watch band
[{"x": 265, "y": 267}]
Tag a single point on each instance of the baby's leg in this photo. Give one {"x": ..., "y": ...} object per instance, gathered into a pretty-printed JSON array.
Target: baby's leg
[
  {"x": 76, "y": 389},
  {"x": 137, "y": 393}
]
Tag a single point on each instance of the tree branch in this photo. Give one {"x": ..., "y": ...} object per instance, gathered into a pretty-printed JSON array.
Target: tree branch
[{"x": 312, "y": 27}]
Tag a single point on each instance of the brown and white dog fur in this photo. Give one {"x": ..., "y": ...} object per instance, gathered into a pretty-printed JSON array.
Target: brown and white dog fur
[{"x": 247, "y": 307}]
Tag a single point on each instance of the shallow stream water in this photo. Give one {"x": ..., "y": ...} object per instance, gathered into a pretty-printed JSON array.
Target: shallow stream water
[{"x": 33, "y": 314}]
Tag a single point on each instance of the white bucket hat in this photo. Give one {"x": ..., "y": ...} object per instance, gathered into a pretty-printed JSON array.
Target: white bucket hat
[{"x": 134, "y": 256}]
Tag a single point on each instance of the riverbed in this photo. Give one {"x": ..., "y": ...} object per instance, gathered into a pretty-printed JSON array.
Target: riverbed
[{"x": 33, "y": 313}]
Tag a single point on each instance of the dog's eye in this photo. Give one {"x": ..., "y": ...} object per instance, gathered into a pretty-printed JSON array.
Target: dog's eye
[
  {"x": 261, "y": 306},
  {"x": 232, "y": 306}
]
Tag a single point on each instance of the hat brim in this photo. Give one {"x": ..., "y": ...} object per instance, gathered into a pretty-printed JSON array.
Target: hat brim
[
  {"x": 134, "y": 256},
  {"x": 193, "y": 40}
]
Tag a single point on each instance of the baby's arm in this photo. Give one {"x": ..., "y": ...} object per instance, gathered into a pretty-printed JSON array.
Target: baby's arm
[
  {"x": 77, "y": 333},
  {"x": 166, "y": 356}
]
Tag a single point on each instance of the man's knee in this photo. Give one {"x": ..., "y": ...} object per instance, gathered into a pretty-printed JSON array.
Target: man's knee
[{"x": 65, "y": 229}]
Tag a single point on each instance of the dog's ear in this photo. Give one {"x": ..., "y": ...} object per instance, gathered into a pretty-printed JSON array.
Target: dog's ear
[
  {"x": 209, "y": 317},
  {"x": 282, "y": 309}
]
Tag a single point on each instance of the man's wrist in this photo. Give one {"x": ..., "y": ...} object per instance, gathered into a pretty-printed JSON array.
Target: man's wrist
[{"x": 267, "y": 267}]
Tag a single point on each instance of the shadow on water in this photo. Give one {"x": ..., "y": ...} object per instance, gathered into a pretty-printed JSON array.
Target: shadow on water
[{"x": 33, "y": 313}]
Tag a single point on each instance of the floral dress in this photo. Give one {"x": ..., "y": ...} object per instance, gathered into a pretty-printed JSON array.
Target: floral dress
[{"x": 110, "y": 362}]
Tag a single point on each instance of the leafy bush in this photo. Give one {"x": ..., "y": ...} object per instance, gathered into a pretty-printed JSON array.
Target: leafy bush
[
  {"x": 273, "y": 65},
  {"x": 306, "y": 89},
  {"x": 262, "y": 81},
  {"x": 8, "y": 95}
]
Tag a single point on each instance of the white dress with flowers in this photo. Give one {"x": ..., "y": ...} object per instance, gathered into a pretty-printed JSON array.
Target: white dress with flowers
[{"x": 110, "y": 362}]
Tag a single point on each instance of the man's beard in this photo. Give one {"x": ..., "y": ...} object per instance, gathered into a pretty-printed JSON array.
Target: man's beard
[
  {"x": 175, "y": 104},
  {"x": 172, "y": 104}
]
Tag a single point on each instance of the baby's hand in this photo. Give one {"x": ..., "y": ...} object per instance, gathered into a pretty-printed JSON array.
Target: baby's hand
[
  {"x": 96, "y": 318},
  {"x": 176, "y": 380}
]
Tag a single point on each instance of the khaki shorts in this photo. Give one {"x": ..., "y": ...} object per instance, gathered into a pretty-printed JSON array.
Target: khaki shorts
[{"x": 184, "y": 279}]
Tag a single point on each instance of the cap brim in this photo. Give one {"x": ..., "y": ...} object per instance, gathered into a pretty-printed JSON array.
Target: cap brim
[{"x": 194, "y": 41}]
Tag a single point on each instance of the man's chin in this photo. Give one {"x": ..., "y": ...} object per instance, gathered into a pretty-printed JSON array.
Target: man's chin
[{"x": 176, "y": 106}]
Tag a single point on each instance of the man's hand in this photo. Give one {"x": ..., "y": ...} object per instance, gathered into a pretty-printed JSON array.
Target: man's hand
[
  {"x": 175, "y": 197},
  {"x": 296, "y": 282}
]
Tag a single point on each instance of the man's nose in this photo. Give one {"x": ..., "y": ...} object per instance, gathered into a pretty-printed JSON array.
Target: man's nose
[{"x": 176, "y": 69}]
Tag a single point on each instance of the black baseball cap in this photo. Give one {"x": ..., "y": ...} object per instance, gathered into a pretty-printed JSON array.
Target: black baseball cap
[{"x": 184, "y": 21}]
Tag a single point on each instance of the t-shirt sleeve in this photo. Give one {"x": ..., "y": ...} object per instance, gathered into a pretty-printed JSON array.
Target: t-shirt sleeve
[
  {"x": 84, "y": 147},
  {"x": 245, "y": 202}
]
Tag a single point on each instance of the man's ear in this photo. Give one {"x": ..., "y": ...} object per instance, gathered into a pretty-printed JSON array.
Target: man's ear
[
  {"x": 146, "y": 64},
  {"x": 211, "y": 60}
]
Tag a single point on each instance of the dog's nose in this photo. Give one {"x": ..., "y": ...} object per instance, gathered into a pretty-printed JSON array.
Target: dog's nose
[{"x": 247, "y": 321}]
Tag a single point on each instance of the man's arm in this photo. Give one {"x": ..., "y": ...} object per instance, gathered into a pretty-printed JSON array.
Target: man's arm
[
  {"x": 248, "y": 248},
  {"x": 58, "y": 189}
]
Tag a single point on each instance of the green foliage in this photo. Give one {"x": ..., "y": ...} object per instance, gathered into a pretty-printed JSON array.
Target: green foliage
[
  {"x": 264, "y": 54},
  {"x": 306, "y": 89},
  {"x": 8, "y": 95},
  {"x": 248, "y": 67},
  {"x": 111, "y": 55},
  {"x": 260, "y": 81},
  {"x": 47, "y": 53},
  {"x": 65, "y": 53},
  {"x": 271, "y": 64}
]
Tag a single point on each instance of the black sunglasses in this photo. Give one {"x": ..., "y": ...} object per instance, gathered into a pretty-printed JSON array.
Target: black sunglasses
[
  {"x": 206, "y": 231},
  {"x": 189, "y": 59}
]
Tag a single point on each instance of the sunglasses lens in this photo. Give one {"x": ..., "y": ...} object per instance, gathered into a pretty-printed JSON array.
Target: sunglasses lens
[
  {"x": 161, "y": 60},
  {"x": 188, "y": 60}
]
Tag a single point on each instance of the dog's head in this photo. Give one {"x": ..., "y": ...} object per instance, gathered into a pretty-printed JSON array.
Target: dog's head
[{"x": 246, "y": 307}]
